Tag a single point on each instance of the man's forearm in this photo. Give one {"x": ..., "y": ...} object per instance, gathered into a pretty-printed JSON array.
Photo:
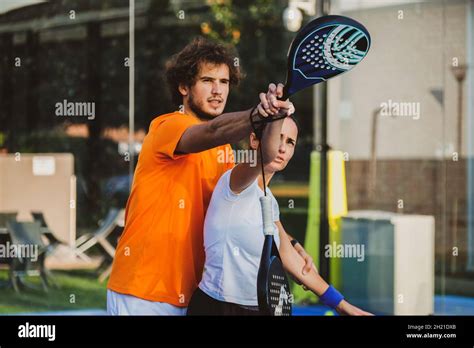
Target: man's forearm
[{"x": 230, "y": 127}]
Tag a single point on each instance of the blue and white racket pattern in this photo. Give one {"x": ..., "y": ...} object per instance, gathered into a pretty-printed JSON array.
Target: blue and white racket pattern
[{"x": 324, "y": 48}]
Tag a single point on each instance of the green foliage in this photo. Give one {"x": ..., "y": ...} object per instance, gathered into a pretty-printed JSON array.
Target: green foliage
[
  {"x": 266, "y": 12},
  {"x": 230, "y": 17}
]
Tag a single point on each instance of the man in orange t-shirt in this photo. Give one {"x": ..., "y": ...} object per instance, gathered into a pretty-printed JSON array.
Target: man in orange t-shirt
[{"x": 160, "y": 256}]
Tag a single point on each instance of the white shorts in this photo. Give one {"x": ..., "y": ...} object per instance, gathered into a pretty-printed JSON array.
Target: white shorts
[{"x": 120, "y": 304}]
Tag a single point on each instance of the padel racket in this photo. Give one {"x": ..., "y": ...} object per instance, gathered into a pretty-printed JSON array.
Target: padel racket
[
  {"x": 273, "y": 289},
  {"x": 324, "y": 48}
]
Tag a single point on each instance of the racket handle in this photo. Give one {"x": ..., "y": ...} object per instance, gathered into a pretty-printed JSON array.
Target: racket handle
[{"x": 267, "y": 214}]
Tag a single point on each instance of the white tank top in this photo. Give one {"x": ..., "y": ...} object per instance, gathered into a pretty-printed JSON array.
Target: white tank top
[{"x": 233, "y": 241}]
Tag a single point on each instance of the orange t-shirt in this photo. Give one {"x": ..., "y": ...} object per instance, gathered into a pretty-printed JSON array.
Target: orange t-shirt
[{"x": 160, "y": 255}]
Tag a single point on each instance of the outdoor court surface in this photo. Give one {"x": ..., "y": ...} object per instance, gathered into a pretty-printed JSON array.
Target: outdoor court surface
[{"x": 444, "y": 305}]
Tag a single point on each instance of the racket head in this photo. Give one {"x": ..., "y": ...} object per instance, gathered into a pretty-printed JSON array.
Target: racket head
[
  {"x": 273, "y": 288},
  {"x": 325, "y": 47}
]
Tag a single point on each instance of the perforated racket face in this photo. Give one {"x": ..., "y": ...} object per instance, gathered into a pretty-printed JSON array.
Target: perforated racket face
[
  {"x": 325, "y": 47},
  {"x": 278, "y": 289}
]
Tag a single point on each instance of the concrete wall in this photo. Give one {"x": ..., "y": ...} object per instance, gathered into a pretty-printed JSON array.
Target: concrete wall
[
  {"x": 408, "y": 57},
  {"x": 414, "y": 47},
  {"x": 23, "y": 190}
]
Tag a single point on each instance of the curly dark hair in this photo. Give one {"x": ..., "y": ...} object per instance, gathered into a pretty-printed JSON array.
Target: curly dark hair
[{"x": 183, "y": 67}]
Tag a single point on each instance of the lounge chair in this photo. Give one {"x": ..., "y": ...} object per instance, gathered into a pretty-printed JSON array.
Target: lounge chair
[
  {"x": 113, "y": 221},
  {"x": 4, "y": 218},
  {"x": 4, "y": 236},
  {"x": 26, "y": 236},
  {"x": 53, "y": 242}
]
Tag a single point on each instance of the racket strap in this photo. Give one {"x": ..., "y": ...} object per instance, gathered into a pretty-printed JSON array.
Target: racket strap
[
  {"x": 258, "y": 130},
  {"x": 264, "y": 120},
  {"x": 257, "y": 125},
  {"x": 331, "y": 297},
  {"x": 259, "y": 122}
]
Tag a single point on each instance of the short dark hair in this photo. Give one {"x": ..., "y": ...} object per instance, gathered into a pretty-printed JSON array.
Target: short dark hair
[
  {"x": 295, "y": 121},
  {"x": 183, "y": 67}
]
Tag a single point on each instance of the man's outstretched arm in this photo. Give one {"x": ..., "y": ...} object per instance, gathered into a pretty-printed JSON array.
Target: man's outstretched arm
[
  {"x": 227, "y": 128},
  {"x": 224, "y": 129}
]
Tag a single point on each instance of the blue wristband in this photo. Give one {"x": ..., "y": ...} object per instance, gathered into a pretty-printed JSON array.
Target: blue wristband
[{"x": 331, "y": 297}]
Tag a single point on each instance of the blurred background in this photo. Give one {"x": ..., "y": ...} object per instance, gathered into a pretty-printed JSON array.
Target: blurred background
[{"x": 81, "y": 80}]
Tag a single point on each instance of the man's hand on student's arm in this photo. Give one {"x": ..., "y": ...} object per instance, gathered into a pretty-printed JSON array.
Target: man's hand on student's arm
[{"x": 308, "y": 259}]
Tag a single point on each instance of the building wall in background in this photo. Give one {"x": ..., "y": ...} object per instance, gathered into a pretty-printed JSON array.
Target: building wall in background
[
  {"x": 47, "y": 187},
  {"x": 408, "y": 57}
]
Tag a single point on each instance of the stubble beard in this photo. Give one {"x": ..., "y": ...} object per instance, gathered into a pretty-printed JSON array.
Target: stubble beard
[{"x": 201, "y": 114}]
